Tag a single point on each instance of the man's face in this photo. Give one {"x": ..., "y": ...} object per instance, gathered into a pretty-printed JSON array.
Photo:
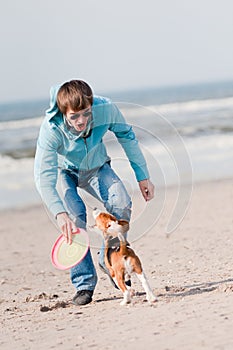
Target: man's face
[{"x": 78, "y": 119}]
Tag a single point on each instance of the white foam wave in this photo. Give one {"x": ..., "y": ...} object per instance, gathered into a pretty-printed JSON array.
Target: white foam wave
[
  {"x": 196, "y": 105},
  {"x": 18, "y": 167},
  {"x": 20, "y": 124},
  {"x": 192, "y": 106},
  {"x": 210, "y": 156},
  {"x": 17, "y": 187}
]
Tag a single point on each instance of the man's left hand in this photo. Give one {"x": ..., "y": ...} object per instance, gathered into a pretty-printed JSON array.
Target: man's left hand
[{"x": 147, "y": 189}]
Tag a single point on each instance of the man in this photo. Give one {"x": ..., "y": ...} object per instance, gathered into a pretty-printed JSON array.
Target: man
[{"x": 70, "y": 141}]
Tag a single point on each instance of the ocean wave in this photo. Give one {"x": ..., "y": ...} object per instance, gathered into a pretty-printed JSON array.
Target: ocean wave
[
  {"x": 192, "y": 106},
  {"x": 10, "y": 165},
  {"x": 210, "y": 156},
  {"x": 218, "y": 145},
  {"x": 196, "y": 105},
  {"x": 133, "y": 111},
  {"x": 194, "y": 118},
  {"x": 21, "y": 124}
]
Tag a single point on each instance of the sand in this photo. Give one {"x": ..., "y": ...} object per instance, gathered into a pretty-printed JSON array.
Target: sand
[{"x": 190, "y": 272}]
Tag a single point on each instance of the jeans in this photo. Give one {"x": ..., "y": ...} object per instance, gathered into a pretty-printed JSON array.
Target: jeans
[{"x": 106, "y": 186}]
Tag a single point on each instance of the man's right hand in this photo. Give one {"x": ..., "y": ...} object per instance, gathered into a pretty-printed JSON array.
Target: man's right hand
[{"x": 66, "y": 226}]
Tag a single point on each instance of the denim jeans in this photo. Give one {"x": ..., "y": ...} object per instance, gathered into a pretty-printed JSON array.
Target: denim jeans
[{"x": 106, "y": 186}]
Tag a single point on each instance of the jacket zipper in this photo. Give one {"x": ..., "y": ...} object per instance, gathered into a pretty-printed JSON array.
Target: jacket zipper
[{"x": 85, "y": 143}]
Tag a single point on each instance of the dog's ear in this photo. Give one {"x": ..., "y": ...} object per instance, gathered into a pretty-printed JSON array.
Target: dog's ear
[{"x": 124, "y": 224}]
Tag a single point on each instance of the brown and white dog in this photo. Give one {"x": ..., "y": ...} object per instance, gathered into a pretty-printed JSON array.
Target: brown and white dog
[{"x": 122, "y": 262}]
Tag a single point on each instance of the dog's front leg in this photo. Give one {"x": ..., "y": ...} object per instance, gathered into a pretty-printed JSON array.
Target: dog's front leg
[{"x": 151, "y": 298}]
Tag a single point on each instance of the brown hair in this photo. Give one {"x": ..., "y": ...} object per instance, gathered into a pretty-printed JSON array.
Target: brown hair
[{"x": 75, "y": 94}]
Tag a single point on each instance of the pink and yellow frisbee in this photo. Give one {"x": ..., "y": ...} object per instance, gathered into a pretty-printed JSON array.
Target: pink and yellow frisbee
[{"x": 64, "y": 255}]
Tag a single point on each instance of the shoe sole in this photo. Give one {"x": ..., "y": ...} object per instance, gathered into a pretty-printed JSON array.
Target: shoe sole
[
  {"x": 80, "y": 304},
  {"x": 80, "y": 300}
]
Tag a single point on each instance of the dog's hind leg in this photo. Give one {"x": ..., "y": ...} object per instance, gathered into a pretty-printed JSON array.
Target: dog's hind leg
[
  {"x": 149, "y": 293},
  {"x": 123, "y": 288}
]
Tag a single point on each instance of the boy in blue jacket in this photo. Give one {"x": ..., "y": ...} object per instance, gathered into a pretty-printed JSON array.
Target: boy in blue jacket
[{"x": 70, "y": 141}]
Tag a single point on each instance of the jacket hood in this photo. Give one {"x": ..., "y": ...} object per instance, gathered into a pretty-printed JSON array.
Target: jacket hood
[{"x": 53, "y": 110}]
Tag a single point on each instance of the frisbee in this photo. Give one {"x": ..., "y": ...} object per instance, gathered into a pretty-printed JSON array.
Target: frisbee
[{"x": 64, "y": 255}]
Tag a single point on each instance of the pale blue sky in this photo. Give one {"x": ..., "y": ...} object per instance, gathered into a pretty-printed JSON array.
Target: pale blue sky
[{"x": 114, "y": 45}]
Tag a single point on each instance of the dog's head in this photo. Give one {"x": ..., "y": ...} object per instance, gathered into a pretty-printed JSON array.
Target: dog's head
[{"x": 109, "y": 224}]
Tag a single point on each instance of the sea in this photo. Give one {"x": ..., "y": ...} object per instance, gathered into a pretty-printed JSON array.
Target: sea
[{"x": 185, "y": 133}]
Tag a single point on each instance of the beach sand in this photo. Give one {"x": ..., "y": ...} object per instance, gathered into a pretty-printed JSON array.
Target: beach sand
[{"x": 190, "y": 272}]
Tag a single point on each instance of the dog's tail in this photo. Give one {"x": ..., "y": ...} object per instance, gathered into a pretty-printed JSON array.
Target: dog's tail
[{"x": 124, "y": 245}]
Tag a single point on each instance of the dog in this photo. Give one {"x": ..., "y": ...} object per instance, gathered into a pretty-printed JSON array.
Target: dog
[{"x": 121, "y": 261}]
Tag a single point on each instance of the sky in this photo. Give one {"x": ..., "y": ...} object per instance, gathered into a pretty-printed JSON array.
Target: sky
[{"x": 113, "y": 45}]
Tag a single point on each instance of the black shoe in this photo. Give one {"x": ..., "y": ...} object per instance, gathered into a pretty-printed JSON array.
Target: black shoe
[
  {"x": 105, "y": 270},
  {"x": 82, "y": 297}
]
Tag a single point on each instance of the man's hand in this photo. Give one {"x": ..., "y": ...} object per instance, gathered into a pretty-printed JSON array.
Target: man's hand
[
  {"x": 147, "y": 189},
  {"x": 66, "y": 226}
]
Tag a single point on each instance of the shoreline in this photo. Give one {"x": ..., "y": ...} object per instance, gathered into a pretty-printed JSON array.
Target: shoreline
[{"x": 190, "y": 271}]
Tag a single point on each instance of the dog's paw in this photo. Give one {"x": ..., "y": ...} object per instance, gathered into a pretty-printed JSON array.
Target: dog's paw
[
  {"x": 126, "y": 300},
  {"x": 152, "y": 298}
]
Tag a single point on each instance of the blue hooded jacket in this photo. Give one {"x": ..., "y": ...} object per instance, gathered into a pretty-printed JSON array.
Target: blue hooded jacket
[{"x": 59, "y": 147}]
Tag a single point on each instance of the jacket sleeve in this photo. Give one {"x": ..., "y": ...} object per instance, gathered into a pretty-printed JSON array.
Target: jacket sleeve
[
  {"x": 46, "y": 168},
  {"x": 126, "y": 137}
]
